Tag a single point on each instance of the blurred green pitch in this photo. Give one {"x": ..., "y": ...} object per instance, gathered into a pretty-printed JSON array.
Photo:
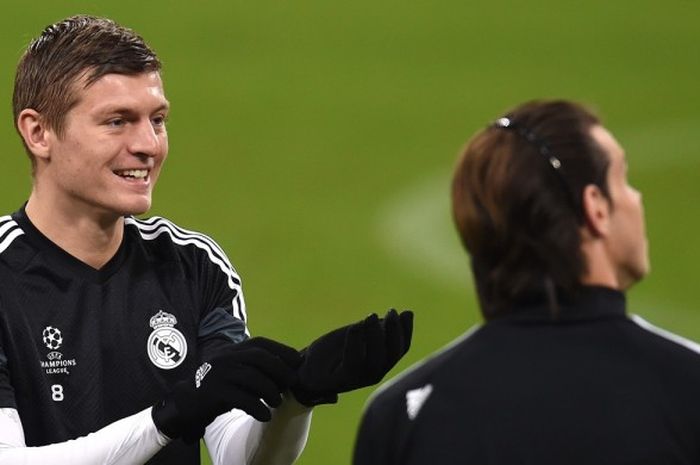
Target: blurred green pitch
[{"x": 314, "y": 140}]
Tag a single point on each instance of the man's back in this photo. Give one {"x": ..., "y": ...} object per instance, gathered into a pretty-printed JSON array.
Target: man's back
[{"x": 591, "y": 386}]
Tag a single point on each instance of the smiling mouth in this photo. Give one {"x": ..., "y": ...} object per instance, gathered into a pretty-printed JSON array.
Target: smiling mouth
[{"x": 132, "y": 174}]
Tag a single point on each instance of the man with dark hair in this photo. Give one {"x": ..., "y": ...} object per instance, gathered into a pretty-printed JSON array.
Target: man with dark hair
[
  {"x": 558, "y": 373},
  {"x": 125, "y": 340}
]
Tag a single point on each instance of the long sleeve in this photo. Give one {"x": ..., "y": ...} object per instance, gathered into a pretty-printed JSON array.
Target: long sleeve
[
  {"x": 238, "y": 439},
  {"x": 129, "y": 441}
]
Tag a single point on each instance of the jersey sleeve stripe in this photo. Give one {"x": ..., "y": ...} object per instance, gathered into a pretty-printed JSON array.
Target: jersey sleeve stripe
[
  {"x": 238, "y": 312},
  {"x": 185, "y": 234},
  {"x": 4, "y": 227},
  {"x": 233, "y": 280},
  {"x": 680, "y": 340},
  {"x": 155, "y": 220},
  {"x": 206, "y": 242},
  {"x": 239, "y": 307},
  {"x": 7, "y": 240},
  {"x": 206, "y": 239}
]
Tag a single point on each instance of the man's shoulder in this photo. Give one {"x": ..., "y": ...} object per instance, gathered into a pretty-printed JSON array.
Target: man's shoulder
[
  {"x": 157, "y": 226},
  {"x": 417, "y": 381},
  {"x": 14, "y": 252},
  {"x": 9, "y": 230},
  {"x": 157, "y": 231},
  {"x": 166, "y": 241},
  {"x": 664, "y": 342}
]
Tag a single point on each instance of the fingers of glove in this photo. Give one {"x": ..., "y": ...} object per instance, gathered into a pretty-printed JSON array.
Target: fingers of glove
[
  {"x": 399, "y": 330},
  {"x": 406, "y": 318},
  {"x": 254, "y": 383},
  {"x": 394, "y": 338},
  {"x": 269, "y": 364},
  {"x": 288, "y": 355},
  {"x": 371, "y": 320},
  {"x": 364, "y": 354},
  {"x": 337, "y": 361},
  {"x": 354, "y": 351},
  {"x": 391, "y": 316},
  {"x": 375, "y": 359}
]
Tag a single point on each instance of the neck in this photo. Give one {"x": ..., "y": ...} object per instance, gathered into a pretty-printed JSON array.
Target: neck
[
  {"x": 90, "y": 237},
  {"x": 600, "y": 271}
]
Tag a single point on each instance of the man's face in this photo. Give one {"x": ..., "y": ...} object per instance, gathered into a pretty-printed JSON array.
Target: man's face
[
  {"x": 627, "y": 242},
  {"x": 114, "y": 143}
]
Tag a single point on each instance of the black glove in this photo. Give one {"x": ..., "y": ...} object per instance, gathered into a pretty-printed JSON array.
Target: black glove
[
  {"x": 238, "y": 376},
  {"x": 352, "y": 357}
]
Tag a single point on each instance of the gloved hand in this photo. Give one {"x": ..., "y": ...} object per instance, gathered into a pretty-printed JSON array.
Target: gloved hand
[
  {"x": 236, "y": 376},
  {"x": 352, "y": 357}
]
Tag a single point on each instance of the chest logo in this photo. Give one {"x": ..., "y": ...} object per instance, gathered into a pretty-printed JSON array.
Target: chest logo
[
  {"x": 167, "y": 347},
  {"x": 55, "y": 363},
  {"x": 415, "y": 398},
  {"x": 52, "y": 337}
]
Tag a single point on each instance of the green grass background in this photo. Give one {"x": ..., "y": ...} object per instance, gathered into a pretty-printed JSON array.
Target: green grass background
[{"x": 314, "y": 140}]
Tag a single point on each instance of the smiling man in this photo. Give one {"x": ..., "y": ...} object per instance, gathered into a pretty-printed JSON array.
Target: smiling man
[
  {"x": 559, "y": 373},
  {"x": 100, "y": 164},
  {"x": 124, "y": 340}
]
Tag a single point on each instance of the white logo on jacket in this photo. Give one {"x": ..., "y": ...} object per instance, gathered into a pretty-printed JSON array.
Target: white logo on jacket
[
  {"x": 415, "y": 398},
  {"x": 52, "y": 337},
  {"x": 167, "y": 347},
  {"x": 201, "y": 373}
]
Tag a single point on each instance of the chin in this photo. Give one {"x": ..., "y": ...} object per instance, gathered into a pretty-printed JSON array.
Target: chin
[
  {"x": 139, "y": 211},
  {"x": 634, "y": 275},
  {"x": 134, "y": 208}
]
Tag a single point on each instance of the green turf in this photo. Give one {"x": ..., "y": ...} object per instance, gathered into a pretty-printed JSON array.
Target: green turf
[{"x": 314, "y": 141}]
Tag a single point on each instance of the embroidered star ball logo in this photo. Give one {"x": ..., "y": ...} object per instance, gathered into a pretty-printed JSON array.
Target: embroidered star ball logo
[
  {"x": 415, "y": 398},
  {"x": 52, "y": 337}
]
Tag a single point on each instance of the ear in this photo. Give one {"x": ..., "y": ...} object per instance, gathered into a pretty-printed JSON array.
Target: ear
[
  {"x": 596, "y": 211},
  {"x": 35, "y": 133}
]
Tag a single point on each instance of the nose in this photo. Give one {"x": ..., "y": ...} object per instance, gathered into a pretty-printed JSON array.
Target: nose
[{"x": 145, "y": 140}]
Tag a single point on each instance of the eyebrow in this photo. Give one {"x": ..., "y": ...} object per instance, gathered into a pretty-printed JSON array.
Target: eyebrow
[{"x": 107, "y": 110}]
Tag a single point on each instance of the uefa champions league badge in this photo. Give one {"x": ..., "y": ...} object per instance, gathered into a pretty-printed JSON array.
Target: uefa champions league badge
[
  {"x": 167, "y": 347},
  {"x": 55, "y": 363}
]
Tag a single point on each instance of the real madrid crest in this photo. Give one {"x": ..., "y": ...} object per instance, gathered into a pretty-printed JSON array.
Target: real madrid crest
[{"x": 167, "y": 347}]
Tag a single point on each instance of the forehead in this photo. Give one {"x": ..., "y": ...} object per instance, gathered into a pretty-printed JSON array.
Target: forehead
[{"x": 123, "y": 90}]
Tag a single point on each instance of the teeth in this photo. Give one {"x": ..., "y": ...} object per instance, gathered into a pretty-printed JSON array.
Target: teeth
[{"x": 139, "y": 174}]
